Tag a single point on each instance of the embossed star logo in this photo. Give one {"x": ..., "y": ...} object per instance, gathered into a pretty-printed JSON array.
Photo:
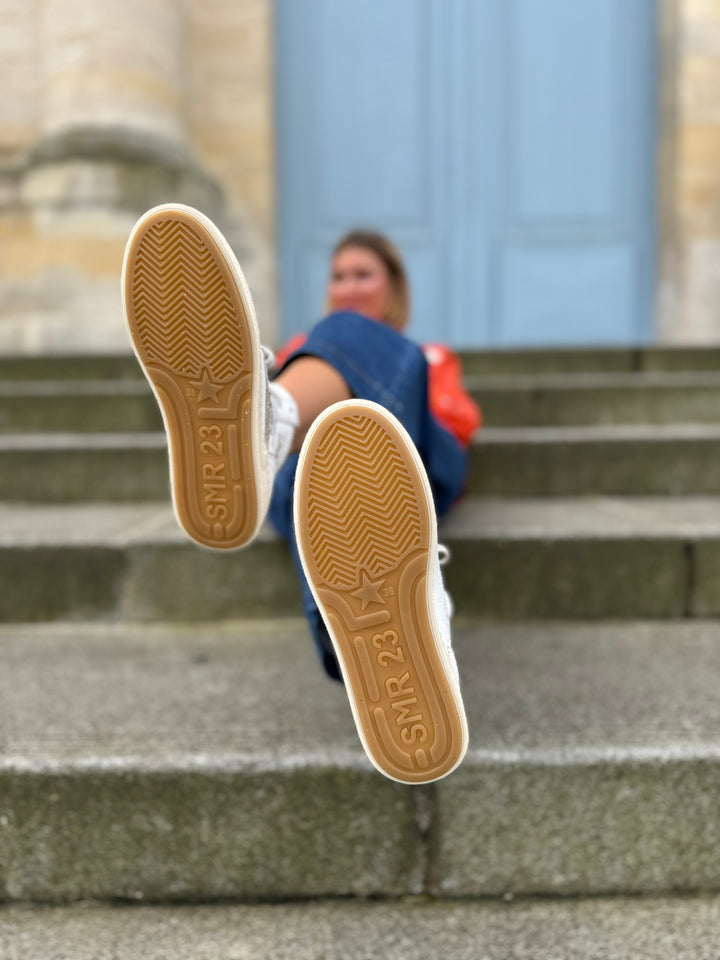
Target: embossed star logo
[
  {"x": 207, "y": 390},
  {"x": 369, "y": 591}
]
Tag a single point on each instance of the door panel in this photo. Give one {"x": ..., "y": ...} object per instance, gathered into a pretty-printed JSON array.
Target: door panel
[
  {"x": 507, "y": 147},
  {"x": 369, "y": 126},
  {"x": 554, "y": 289},
  {"x": 362, "y": 88},
  {"x": 562, "y": 110}
]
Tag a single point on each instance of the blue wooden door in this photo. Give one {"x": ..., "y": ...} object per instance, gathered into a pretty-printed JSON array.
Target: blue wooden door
[{"x": 507, "y": 146}]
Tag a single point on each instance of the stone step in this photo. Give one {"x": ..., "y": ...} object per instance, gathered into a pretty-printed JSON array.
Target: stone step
[
  {"x": 126, "y": 405},
  {"x": 587, "y": 359},
  {"x": 657, "y": 928},
  {"x": 87, "y": 406},
  {"x": 61, "y": 366},
  {"x": 181, "y": 763},
  {"x": 94, "y": 366},
  {"x": 560, "y": 558},
  {"x": 597, "y": 398},
  {"x": 83, "y": 467},
  {"x": 634, "y": 460},
  {"x": 627, "y": 459}
]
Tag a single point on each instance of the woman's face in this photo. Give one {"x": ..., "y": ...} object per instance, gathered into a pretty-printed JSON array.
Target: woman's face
[{"x": 360, "y": 282}]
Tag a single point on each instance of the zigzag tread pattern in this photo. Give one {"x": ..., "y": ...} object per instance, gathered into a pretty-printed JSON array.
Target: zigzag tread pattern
[
  {"x": 362, "y": 506},
  {"x": 183, "y": 310}
]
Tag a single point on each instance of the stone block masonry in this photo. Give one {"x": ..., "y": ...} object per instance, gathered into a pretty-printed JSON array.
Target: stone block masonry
[{"x": 113, "y": 109}]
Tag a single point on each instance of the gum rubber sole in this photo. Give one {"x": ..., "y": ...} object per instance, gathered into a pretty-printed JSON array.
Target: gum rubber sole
[
  {"x": 192, "y": 329},
  {"x": 365, "y": 525}
]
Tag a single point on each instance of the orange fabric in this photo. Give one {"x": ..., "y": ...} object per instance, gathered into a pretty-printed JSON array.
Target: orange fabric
[
  {"x": 450, "y": 404},
  {"x": 283, "y": 352}
]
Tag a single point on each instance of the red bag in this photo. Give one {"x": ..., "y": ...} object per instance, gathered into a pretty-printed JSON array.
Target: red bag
[
  {"x": 283, "y": 352},
  {"x": 449, "y": 402}
]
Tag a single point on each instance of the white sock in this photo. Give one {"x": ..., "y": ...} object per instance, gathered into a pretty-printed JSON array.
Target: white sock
[{"x": 283, "y": 421}]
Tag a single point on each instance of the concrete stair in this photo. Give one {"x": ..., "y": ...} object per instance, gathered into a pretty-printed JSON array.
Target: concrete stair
[
  {"x": 214, "y": 761},
  {"x": 598, "y": 399},
  {"x": 614, "y": 929},
  {"x": 524, "y": 399},
  {"x": 626, "y": 459},
  {"x": 592, "y": 360},
  {"x": 559, "y": 558},
  {"x": 167, "y": 736}
]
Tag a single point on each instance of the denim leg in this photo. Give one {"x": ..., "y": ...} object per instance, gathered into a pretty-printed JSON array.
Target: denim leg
[
  {"x": 381, "y": 365},
  {"x": 280, "y": 515}
]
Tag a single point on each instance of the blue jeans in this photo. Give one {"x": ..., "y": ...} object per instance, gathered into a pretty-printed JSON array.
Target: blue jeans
[{"x": 379, "y": 364}]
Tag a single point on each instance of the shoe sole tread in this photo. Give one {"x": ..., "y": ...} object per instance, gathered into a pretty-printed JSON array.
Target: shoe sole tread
[
  {"x": 366, "y": 531},
  {"x": 190, "y": 330}
]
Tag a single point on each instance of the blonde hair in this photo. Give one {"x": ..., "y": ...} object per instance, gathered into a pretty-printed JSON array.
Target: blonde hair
[{"x": 398, "y": 310}]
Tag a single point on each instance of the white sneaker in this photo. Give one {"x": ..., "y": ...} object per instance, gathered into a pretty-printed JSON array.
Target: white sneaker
[
  {"x": 193, "y": 328},
  {"x": 366, "y": 532},
  {"x": 444, "y": 606}
]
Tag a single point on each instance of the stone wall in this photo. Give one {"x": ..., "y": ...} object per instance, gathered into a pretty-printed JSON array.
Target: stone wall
[
  {"x": 113, "y": 108},
  {"x": 690, "y": 172},
  {"x": 19, "y": 77}
]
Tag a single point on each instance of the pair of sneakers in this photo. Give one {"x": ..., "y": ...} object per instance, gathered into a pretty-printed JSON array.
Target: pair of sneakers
[{"x": 363, "y": 508}]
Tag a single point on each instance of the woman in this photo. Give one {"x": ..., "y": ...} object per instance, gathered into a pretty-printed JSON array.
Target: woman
[
  {"x": 344, "y": 356},
  {"x": 342, "y": 440}
]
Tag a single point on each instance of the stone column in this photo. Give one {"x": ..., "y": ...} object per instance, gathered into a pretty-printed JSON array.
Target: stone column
[
  {"x": 113, "y": 111},
  {"x": 114, "y": 67},
  {"x": 690, "y": 172},
  {"x": 107, "y": 138}
]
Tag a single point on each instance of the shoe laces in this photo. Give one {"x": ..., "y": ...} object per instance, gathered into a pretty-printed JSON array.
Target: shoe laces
[
  {"x": 443, "y": 603},
  {"x": 268, "y": 359},
  {"x": 444, "y": 556}
]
